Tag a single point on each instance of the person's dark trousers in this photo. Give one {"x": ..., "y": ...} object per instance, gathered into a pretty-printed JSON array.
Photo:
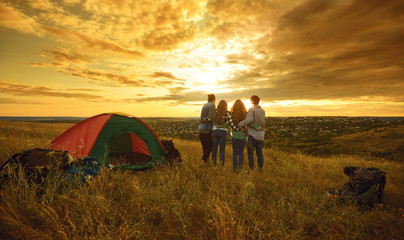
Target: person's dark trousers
[
  {"x": 253, "y": 144},
  {"x": 238, "y": 152},
  {"x": 218, "y": 139},
  {"x": 206, "y": 141}
]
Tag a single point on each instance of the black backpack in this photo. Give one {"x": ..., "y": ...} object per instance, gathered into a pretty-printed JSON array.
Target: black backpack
[
  {"x": 36, "y": 163},
  {"x": 365, "y": 186},
  {"x": 172, "y": 153}
]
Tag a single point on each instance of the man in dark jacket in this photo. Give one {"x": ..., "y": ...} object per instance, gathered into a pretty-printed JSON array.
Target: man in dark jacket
[{"x": 208, "y": 114}]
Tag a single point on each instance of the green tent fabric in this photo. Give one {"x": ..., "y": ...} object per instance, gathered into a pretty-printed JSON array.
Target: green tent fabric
[
  {"x": 116, "y": 128},
  {"x": 127, "y": 140}
]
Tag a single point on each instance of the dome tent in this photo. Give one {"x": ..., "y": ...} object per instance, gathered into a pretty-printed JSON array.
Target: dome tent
[{"x": 113, "y": 138}]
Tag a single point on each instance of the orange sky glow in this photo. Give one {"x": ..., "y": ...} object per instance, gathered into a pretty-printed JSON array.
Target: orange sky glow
[{"x": 161, "y": 58}]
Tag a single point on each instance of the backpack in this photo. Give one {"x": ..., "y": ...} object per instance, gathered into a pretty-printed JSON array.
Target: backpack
[
  {"x": 172, "y": 153},
  {"x": 36, "y": 163},
  {"x": 365, "y": 186}
]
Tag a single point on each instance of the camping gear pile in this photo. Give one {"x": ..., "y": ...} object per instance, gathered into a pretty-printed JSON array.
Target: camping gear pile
[
  {"x": 364, "y": 188},
  {"x": 37, "y": 163},
  {"x": 116, "y": 140}
]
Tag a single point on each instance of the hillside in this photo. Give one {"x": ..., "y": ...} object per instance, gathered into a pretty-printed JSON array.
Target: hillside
[
  {"x": 386, "y": 142},
  {"x": 195, "y": 200}
]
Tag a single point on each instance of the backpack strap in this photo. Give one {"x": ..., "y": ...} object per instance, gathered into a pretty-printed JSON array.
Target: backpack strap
[{"x": 381, "y": 184}]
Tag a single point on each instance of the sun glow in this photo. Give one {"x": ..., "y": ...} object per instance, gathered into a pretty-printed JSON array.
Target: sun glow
[
  {"x": 208, "y": 80},
  {"x": 246, "y": 102},
  {"x": 206, "y": 65}
]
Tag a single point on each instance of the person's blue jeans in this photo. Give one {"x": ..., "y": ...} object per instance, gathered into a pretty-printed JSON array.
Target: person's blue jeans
[
  {"x": 253, "y": 144},
  {"x": 238, "y": 152},
  {"x": 218, "y": 139}
]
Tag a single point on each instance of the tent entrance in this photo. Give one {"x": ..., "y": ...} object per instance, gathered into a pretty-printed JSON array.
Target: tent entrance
[{"x": 128, "y": 148}]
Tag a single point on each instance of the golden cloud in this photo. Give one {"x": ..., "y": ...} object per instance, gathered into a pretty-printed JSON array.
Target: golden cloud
[
  {"x": 11, "y": 18},
  {"x": 44, "y": 5},
  {"x": 92, "y": 43},
  {"x": 17, "y": 101},
  {"x": 27, "y": 90},
  {"x": 163, "y": 74}
]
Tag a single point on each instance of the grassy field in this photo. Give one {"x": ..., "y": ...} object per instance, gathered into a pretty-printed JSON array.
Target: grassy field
[{"x": 195, "y": 200}]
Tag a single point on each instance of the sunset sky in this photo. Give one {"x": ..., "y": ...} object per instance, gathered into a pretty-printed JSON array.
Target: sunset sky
[{"x": 161, "y": 58}]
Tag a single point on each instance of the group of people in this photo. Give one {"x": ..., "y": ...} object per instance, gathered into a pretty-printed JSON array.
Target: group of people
[{"x": 245, "y": 128}]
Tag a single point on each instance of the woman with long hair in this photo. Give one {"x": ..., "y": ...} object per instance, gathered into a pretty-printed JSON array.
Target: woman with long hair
[
  {"x": 219, "y": 132},
  {"x": 238, "y": 112},
  {"x": 223, "y": 120}
]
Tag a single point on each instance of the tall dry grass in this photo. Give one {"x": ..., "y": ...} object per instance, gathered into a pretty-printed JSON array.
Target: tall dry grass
[{"x": 193, "y": 200}]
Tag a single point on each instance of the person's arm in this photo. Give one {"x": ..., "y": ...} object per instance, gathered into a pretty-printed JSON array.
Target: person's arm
[
  {"x": 255, "y": 127},
  {"x": 212, "y": 114},
  {"x": 231, "y": 123},
  {"x": 248, "y": 119}
]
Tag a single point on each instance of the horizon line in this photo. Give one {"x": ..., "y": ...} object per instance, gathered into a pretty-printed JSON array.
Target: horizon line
[{"x": 198, "y": 117}]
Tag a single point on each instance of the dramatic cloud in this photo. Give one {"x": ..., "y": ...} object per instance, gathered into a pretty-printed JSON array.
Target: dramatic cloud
[
  {"x": 44, "y": 5},
  {"x": 163, "y": 74},
  {"x": 167, "y": 41},
  {"x": 311, "y": 55},
  {"x": 11, "y": 18},
  {"x": 83, "y": 89},
  {"x": 17, "y": 101},
  {"x": 177, "y": 90},
  {"x": 92, "y": 43},
  {"x": 26, "y": 90},
  {"x": 109, "y": 79},
  {"x": 64, "y": 58},
  {"x": 156, "y": 80},
  {"x": 172, "y": 97},
  {"x": 177, "y": 97}
]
